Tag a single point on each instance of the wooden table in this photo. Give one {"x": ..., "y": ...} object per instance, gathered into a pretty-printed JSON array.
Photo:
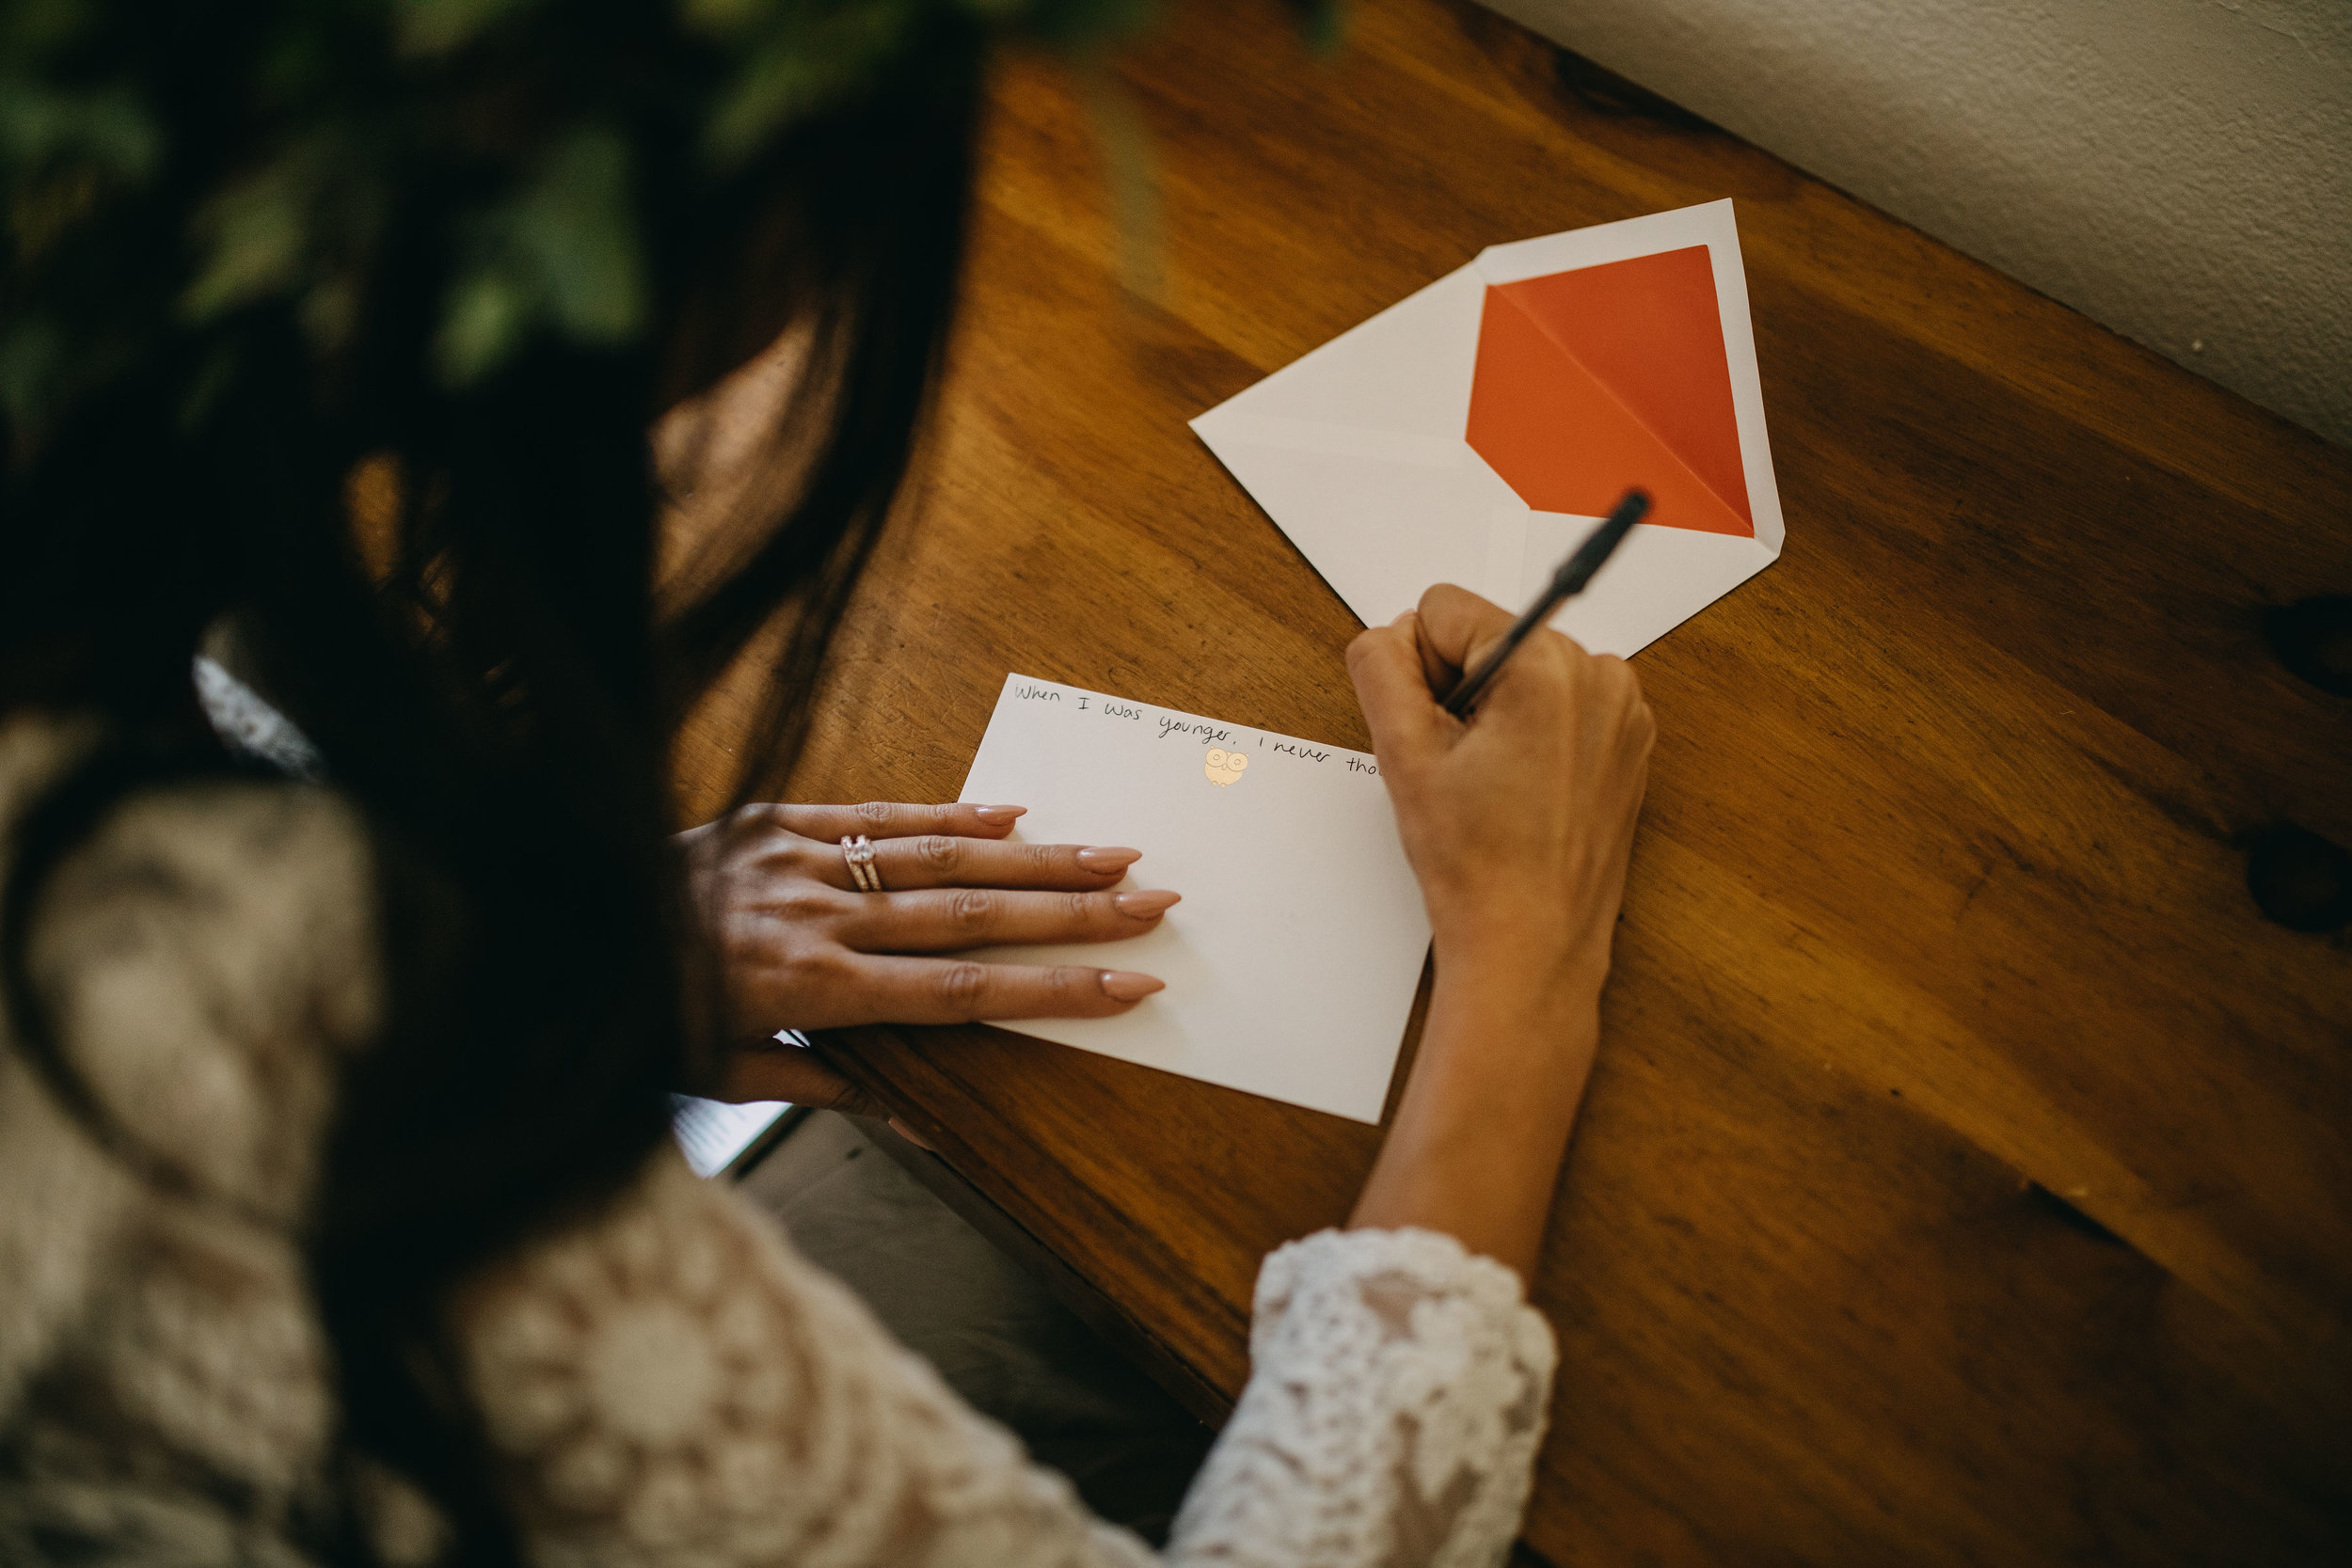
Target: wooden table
[{"x": 1964, "y": 1176}]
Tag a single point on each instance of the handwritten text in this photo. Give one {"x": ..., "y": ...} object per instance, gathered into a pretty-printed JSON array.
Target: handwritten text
[{"x": 1204, "y": 730}]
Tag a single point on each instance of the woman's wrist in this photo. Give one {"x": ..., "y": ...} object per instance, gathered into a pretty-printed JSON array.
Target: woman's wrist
[
  {"x": 1520, "y": 976},
  {"x": 1494, "y": 1039},
  {"x": 1476, "y": 1145}
]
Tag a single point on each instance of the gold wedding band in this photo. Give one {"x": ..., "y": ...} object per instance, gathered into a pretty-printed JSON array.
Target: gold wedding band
[{"x": 864, "y": 873}]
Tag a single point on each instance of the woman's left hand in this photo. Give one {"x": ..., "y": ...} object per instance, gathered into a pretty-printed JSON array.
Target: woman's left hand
[{"x": 800, "y": 948}]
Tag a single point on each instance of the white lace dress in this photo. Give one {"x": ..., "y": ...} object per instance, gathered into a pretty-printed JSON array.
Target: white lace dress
[{"x": 669, "y": 1383}]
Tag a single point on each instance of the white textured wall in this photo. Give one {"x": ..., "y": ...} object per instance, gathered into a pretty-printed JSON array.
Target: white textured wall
[{"x": 2178, "y": 169}]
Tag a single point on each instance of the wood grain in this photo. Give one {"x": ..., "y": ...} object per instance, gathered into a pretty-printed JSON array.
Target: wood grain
[{"x": 1964, "y": 1177}]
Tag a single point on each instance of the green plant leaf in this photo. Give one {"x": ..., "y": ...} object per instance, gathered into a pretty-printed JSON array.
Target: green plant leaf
[
  {"x": 438, "y": 26},
  {"x": 483, "y": 321},
  {"x": 578, "y": 227},
  {"x": 256, "y": 238}
]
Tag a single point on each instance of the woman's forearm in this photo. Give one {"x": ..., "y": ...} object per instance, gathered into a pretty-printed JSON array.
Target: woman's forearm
[{"x": 1476, "y": 1147}]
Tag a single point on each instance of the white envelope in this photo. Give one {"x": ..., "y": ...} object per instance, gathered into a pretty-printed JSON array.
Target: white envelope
[{"x": 1588, "y": 381}]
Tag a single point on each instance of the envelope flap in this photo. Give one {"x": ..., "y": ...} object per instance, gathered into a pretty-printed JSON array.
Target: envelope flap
[
  {"x": 1648, "y": 329},
  {"x": 1712, "y": 225},
  {"x": 1405, "y": 373},
  {"x": 1565, "y": 441}
]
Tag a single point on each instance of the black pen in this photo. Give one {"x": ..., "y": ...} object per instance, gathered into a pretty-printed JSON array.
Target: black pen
[{"x": 1566, "y": 582}]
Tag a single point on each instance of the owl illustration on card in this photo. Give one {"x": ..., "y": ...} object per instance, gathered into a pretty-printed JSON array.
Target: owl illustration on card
[{"x": 1224, "y": 766}]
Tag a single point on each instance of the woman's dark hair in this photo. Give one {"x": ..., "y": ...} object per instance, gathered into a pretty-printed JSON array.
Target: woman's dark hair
[{"x": 440, "y": 560}]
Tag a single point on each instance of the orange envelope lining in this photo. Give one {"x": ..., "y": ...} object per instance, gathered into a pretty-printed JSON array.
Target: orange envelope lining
[{"x": 1600, "y": 377}]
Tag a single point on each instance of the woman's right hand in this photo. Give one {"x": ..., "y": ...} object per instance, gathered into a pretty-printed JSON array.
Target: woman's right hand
[{"x": 1518, "y": 821}]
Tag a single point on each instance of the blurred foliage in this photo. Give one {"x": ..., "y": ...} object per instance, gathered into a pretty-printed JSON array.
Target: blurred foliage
[
  {"x": 560, "y": 252},
  {"x": 173, "y": 171}
]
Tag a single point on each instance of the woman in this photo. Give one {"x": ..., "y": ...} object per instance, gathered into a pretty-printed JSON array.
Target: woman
[{"x": 336, "y": 1204}]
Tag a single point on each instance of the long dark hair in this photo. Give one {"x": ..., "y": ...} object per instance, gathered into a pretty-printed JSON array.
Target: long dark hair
[{"x": 486, "y": 673}]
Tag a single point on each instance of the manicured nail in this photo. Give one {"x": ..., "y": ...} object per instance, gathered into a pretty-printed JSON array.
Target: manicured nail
[
  {"x": 1108, "y": 860},
  {"x": 911, "y": 1135},
  {"x": 996, "y": 817},
  {"x": 1125, "y": 985},
  {"x": 1146, "y": 906}
]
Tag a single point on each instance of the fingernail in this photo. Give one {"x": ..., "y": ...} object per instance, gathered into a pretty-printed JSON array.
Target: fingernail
[
  {"x": 1125, "y": 985},
  {"x": 911, "y": 1135},
  {"x": 1146, "y": 906},
  {"x": 1108, "y": 860},
  {"x": 996, "y": 817}
]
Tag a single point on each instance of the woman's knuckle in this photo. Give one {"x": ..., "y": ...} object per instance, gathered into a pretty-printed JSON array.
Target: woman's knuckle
[
  {"x": 963, "y": 984},
  {"x": 826, "y": 967},
  {"x": 1085, "y": 908},
  {"x": 1038, "y": 857},
  {"x": 939, "y": 852},
  {"x": 807, "y": 902},
  {"x": 973, "y": 908},
  {"x": 1546, "y": 665},
  {"x": 874, "y": 813}
]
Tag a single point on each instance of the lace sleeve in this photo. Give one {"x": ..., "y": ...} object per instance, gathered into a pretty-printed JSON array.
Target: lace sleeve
[
  {"x": 674, "y": 1384},
  {"x": 1396, "y": 1400}
]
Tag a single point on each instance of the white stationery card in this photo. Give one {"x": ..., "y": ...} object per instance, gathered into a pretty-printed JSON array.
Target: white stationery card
[{"x": 1292, "y": 962}]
